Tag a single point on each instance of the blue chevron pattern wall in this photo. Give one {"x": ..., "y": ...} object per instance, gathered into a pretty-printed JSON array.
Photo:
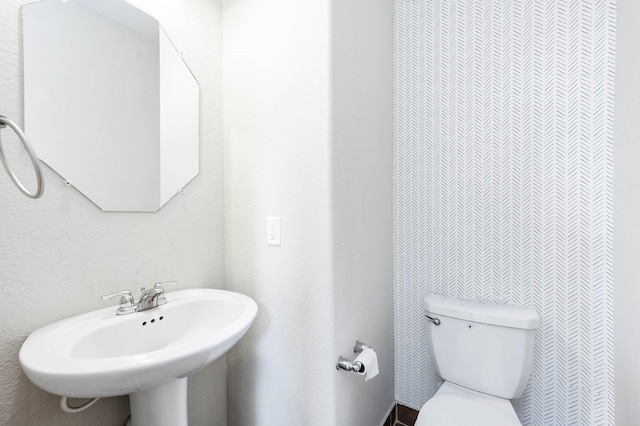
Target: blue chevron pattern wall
[{"x": 503, "y": 186}]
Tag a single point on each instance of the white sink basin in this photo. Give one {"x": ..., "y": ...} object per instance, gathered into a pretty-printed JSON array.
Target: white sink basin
[{"x": 101, "y": 354}]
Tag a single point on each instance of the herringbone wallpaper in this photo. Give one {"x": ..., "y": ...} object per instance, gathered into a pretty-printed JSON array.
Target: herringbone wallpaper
[{"x": 503, "y": 186}]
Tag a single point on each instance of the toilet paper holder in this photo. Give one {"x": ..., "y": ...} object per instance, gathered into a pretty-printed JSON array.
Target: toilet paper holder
[{"x": 348, "y": 365}]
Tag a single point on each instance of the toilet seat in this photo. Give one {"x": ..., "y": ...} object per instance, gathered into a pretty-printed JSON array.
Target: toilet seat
[{"x": 454, "y": 405}]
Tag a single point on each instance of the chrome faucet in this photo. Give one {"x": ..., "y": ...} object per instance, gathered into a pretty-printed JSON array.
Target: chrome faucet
[{"x": 149, "y": 299}]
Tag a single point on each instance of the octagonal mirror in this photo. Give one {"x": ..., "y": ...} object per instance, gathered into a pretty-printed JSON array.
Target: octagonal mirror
[{"x": 109, "y": 103}]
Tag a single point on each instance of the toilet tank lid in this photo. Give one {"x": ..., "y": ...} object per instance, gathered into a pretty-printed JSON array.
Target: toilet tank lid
[{"x": 483, "y": 312}]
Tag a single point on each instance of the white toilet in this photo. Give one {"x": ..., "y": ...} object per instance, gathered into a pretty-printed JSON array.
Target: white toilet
[{"x": 484, "y": 354}]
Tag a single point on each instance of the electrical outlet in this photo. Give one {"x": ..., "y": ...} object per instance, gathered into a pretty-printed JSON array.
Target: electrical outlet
[{"x": 273, "y": 231}]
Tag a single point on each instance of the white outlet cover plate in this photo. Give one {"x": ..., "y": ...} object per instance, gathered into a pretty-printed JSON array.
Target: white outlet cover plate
[{"x": 273, "y": 231}]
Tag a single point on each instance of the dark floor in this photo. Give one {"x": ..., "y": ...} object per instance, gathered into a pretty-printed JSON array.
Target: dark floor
[{"x": 401, "y": 416}]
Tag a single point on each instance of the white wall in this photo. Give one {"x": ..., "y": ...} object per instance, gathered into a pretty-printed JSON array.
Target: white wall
[
  {"x": 362, "y": 79},
  {"x": 277, "y": 163},
  {"x": 60, "y": 253},
  {"x": 626, "y": 202},
  {"x": 308, "y": 138}
]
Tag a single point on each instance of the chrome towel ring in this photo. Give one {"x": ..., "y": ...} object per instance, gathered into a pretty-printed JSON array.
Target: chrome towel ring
[{"x": 4, "y": 122}]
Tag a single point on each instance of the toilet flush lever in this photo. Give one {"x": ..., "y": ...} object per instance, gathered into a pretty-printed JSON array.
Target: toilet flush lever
[{"x": 434, "y": 320}]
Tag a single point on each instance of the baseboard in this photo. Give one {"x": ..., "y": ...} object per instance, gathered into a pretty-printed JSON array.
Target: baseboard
[{"x": 390, "y": 417}]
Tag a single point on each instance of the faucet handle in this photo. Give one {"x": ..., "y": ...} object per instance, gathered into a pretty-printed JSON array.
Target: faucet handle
[
  {"x": 124, "y": 294},
  {"x": 163, "y": 283},
  {"x": 126, "y": 300},
  {"x": 158, "y": 287}
]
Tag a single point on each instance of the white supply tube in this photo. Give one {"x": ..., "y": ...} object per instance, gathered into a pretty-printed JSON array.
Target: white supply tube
[{"x": 64, "y": 405}]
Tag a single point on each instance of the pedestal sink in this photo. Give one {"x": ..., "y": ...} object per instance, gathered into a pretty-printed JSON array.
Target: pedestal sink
[{"x": 147, "y": 355}]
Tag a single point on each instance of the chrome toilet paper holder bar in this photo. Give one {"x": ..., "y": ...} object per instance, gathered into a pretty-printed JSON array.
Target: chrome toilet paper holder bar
[{"x": 348, "y": 365}]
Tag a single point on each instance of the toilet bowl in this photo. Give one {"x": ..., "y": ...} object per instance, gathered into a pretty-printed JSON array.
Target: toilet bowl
[
  {"x": 454, "y": 405},
  {"x": 484, "y": 354}
]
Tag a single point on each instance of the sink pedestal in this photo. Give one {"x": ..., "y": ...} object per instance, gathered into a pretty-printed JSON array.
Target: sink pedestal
[{"x": 164, "y": 405}]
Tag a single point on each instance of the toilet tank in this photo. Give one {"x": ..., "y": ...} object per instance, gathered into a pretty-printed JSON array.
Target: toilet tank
[{"x": 486, "y": 347}]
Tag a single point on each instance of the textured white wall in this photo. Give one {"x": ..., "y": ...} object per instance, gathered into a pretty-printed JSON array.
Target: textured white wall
[
  {"x": 277, "y": 163},
  {"x": 626, "y": 203},
  {"x": 308, "y": 124},
  {"x": 362, "y": 89},
  {"x": 503, "y": 186},
  {"x": 60, "y": 253}
]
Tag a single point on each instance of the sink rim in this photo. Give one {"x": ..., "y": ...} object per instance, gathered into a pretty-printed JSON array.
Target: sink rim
[{"x": 44, "y": 363}]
